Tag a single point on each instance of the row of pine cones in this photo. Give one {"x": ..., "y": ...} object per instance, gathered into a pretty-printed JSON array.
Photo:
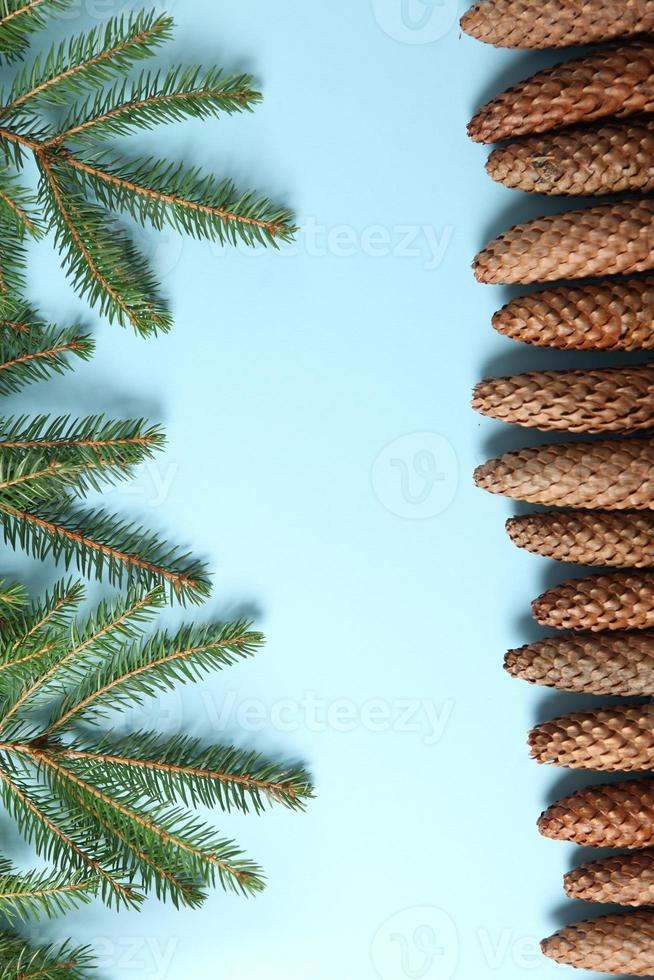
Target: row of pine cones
[{"x": 584, "y": 127}]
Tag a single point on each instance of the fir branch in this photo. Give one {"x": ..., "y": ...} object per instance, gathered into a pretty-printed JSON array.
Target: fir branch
[
  {"x": 101, "y": 635},
  {"x": 154, "y": 99},
  {"x": 109, "y": 809},
  {"x": 178, "y": 840},
  {"x": 181, "y": 769},
  {"x": 101, "y": 261},
  {"x": 20, "y": 18},
  {"x": 29, "y": 354},
  {"x": 158, "y": 665},
  {"x": 78, "y": 196},
  {"x": 185, "y": 198},
  {"x": 19, "y": 204},
  {"x": 42, "y": 893},
  {"x": 19, "y": 961},
  {"x": 60, "y": 833},
  {"x": 12, "y": 263},
  {"x": 103, "y": 545},
  {"x": 93, "y": 439},
  {"x": 87, "y": 61}
]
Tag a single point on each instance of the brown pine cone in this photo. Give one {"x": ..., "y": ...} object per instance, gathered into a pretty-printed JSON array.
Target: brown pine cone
[
  {"x": 609, "y": 239},
  {"x": 615, "y": 81},
  {"x": 559, "y": 23},
  {"x": 608, "y": 815},
  {"x": 618, "y": 663},
  {"x": 602, "y": 538},
  {"x": 619, "y": 943},
  {"x": 602, "y": 400},
  {"x": 619, "y": 739},
  {"x": 626, "y": 879},
  {"x": 619, "y": 601},
  {"x": 613, "y": 475},
  {"x": 605, "y": 159},
  {"x": 608, "y": 316}
]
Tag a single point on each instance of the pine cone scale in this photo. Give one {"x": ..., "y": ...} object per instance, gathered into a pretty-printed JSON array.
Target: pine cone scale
[
  {"x": 606, "y": 474},
  {"x": 609, "y": 239},
  {"x": 618, "y": 601},
  {"x": 615, "y": 539},
  {"x": 512, "y": 24},
  {"x": 620, "y": 943},
  {"x": 606, "y": 159},
  {"x": 626, "y": 879},
  {"x": 611, "y": 815},
  {"x": 604, "y": 400},
  {"x": 609, "y": 316},
  {"x": 613, "y": 82},
  {"x": 609, "y": 663},
  {"x": 619, "y": 739}
]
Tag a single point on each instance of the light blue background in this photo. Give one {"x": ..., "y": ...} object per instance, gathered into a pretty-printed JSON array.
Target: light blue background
[{"x": 286, "y": 378}]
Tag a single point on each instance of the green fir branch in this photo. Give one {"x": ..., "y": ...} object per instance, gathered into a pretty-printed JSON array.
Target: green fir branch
[
  {"x": 20, "y": 18},
  {"x": 86, "y": 61},
  {"x": 42, "y": 894},
  {"x": 102, "y": 545},
  {"x": 19, "y": 961},
  {"x": 34, "y": 353},
  {"x": 118, "y": 810},
  {"x": 182, "y": 769},
  {"x": 79, "y": 94},
  {"x": 101, "y": 261},
  {"x": 158, "y": 665},
  {"x": 155, "y": 99}
]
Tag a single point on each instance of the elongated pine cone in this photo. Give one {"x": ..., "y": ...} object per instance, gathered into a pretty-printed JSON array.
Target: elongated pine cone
[
  {"x": 619, "y": 739},
  {"x": 608, "y": 815},
  {"x": 612, "y": 475},
  {"x": 619, "y": 601},
  {"x": 612, "y": 315},
  {"x": 559, "y": 23},
  {"x": 605, "y": 159},
  {"x": 603, "y": 538},
  {"x": 618, "y": 663},
  {"x": 617, "y": 81},
  {"x": 619, "y": 943},
  {"x": 602, "y": 400},
  {"x": 609, "y": 239},
  {"x": 626, "y": 879}
]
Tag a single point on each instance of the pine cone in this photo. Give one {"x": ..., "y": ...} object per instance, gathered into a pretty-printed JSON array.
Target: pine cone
[
  {"x": 608, "y": 316},
  {"x": 619, "y": 943},
  {"x": 608, "y": 815},
  {"x": 615, "y": 475},
  {"x": 617, "y": 540},
  {"x": 603, "y": 400},
  {"x": 605, "y": 159},
  {"x": 626, "y": 879},
  {"x": 513, "y": 23},
  {"x": 609, "y": 239},
  {"x": 619, "y": 739},
  {"x": 611, "y": 82},
  {"x": 622, "y": 600},
  {"x": 618, "y": 663}
]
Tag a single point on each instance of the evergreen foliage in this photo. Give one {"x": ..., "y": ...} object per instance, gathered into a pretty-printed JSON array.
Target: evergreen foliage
[
  {"x": 20, "y": 961},
  {"x": 62, "y": 106},
  {"x": 114, "y": 812},
  {"x": 47, "y": 465}
]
